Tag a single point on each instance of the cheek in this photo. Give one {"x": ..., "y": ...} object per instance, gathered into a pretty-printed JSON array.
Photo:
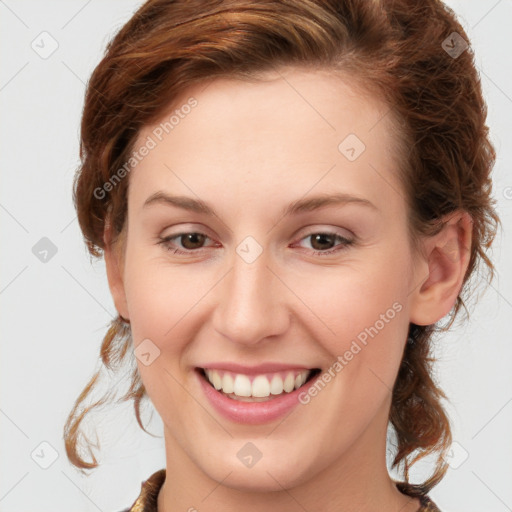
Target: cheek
[
  {"x": 360, "y": 315},
  {"x": 345, "y": 301},
  {"x": 161, "y": 302},
  {"x": 159, "y": 294}
]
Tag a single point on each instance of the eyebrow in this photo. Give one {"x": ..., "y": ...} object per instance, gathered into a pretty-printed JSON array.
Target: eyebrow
[{"x": 299, "y": 206}]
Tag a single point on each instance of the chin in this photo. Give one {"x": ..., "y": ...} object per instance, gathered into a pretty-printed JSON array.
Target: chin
[
  {"x": 259, "y": 482},
  {"x": 265, "y": 476}
]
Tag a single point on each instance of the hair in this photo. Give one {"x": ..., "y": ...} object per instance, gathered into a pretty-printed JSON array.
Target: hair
[{"x": 389, "y": 48}]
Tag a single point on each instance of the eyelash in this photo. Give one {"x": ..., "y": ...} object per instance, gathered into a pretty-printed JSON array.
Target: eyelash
[{"x": 165, "y": 242}]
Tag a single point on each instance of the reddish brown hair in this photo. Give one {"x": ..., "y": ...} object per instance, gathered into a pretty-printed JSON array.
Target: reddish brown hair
[{"x": 389, "y": 48}]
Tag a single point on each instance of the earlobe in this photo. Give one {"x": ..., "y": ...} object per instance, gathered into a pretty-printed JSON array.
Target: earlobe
[
  {"x": 114, "y": 260},
  {"x": 439, "y": 278}
]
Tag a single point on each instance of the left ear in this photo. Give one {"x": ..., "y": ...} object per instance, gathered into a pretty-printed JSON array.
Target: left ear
[{"x": 440, "y": 272}]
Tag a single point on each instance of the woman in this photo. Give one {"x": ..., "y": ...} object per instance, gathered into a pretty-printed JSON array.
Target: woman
[{"x": 289, "y": 197}]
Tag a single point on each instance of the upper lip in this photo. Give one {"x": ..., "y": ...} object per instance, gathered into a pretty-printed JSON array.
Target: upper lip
[{"x": 255, "y": 370}]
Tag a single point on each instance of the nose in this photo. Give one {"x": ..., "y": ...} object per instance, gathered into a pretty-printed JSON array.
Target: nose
[{"x": 251, "y": 305}]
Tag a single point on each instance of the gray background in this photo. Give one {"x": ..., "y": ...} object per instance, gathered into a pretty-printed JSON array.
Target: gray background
[{"x": 54, "y": 314}]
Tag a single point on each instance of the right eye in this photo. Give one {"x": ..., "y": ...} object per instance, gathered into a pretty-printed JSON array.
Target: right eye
[{"x": 188, "y": 240}]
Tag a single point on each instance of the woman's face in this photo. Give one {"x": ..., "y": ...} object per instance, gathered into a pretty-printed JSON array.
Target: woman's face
[{"x": 269, "y": 280}]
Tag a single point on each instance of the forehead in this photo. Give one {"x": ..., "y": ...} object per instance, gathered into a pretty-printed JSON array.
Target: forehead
[{"x": 291, "y": 131}]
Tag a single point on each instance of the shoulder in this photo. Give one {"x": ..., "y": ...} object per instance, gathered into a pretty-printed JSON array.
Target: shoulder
[{"x": 149, "y": 489}]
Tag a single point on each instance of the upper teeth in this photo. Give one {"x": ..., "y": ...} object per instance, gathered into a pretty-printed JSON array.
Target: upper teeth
[{"x": 261, "y": 386}]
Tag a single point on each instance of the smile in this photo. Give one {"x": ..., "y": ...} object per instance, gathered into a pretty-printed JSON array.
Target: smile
[
  {"x": 234, "y": 394},
  {"x": 259, "y": 387}
]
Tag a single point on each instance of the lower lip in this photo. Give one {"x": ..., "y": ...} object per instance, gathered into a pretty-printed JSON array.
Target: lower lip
[{"x": 252, "y": 413}]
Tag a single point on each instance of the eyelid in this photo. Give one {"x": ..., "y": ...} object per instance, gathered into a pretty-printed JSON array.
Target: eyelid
[
  {"x": 324, "y": 228},
  {"x": 186, "y": 228},
  {"x": 167, "y": 239}
]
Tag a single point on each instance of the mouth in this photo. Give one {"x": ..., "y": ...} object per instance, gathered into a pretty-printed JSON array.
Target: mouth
[{"x": 262, "y": 387}]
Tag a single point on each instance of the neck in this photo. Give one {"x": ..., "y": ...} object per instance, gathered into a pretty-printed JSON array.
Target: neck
[{"x": 356, "y": 481}]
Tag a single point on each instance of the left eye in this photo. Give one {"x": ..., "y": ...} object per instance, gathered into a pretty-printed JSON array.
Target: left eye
[
  {"x": 192, "y": 241},
  {"x": 322, "y": 238}
]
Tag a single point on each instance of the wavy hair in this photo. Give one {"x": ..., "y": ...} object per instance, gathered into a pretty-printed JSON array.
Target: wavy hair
[{"x": 391, "y": 48}]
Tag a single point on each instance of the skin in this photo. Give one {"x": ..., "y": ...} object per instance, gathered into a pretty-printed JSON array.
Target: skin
[{"x": 249, "y": 149}]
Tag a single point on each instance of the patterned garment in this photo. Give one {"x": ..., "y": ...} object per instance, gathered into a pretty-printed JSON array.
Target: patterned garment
[{"x": 147, "y": 500}]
